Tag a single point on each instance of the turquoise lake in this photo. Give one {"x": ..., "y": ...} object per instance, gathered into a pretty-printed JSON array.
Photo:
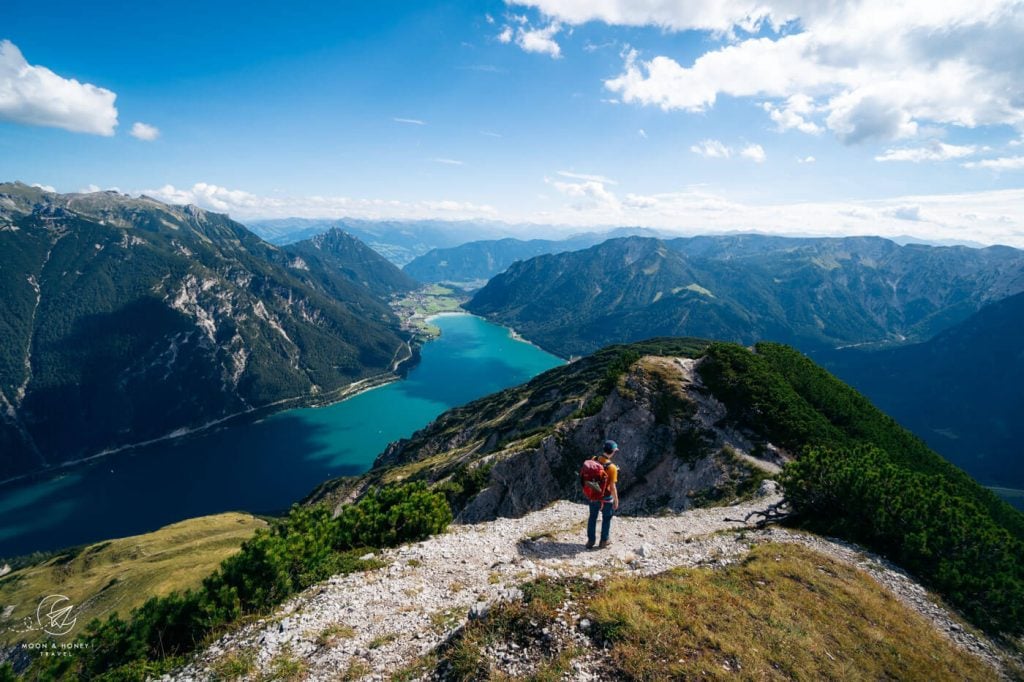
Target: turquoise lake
[{"x": 264, "y": 466}]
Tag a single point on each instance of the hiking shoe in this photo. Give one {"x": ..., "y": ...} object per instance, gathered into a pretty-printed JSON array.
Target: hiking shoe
[
  {"x": 604, "y": 544},
  {"x": 590, "y": 545}
]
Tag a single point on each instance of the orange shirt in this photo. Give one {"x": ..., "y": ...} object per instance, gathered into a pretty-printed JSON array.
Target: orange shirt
[{"x": 613, "y": 471}]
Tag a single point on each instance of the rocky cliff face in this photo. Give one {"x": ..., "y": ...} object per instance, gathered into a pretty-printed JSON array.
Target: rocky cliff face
[{"x": 675, "y": 451}]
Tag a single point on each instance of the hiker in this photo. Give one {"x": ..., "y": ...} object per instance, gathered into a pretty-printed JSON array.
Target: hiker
[{"x": 599, "y": 478}]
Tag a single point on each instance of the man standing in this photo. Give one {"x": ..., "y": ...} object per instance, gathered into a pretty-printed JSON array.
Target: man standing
[{"x": 609, "y": 501}]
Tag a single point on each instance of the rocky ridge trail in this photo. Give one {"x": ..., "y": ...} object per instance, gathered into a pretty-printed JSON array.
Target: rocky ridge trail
[{"x": 369, "y": 625}]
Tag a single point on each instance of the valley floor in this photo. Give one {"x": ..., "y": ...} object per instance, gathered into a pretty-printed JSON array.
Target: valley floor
[{"x": 370, "y": 625}]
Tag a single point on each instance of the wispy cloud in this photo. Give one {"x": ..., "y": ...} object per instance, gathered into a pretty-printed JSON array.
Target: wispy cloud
[
  {"x": 490, "y": 133},
  {"x": 1004, "y": 163},
  {"x": 409, "y": 121},
  {"x": 587, "y": 177},
  {"x": 711, "y": 149},
  {"x": 449, "y": 162},
  {"x": 483, "y": 68},
  {"x": 715, "y": 149},
  {"x": 935, "y": 151}
]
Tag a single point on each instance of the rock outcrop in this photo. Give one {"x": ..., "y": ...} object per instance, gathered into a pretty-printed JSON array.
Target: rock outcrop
[{"x": 674, "y": 446}]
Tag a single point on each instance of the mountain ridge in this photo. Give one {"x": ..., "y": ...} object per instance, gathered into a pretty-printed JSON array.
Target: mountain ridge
[
  {"x": 481, "y": 260},
  {"x": 126, "y": 320},
  {"x": 813, "y": 293}
]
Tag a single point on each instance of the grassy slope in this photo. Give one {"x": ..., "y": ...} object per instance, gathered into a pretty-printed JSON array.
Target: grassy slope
[
  {"x": 786, "y": 612},
  {"x": 118, "y": 575}
]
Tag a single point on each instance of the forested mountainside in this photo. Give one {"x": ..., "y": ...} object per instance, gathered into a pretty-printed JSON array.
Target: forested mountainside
[
  {"x": 813, "y": 293},
  {"x": 478, "y": 261},
  {"x": 122, "y": 320},
  {"x": 336, "y": 255},
  {"x": 961, "y": 391}
]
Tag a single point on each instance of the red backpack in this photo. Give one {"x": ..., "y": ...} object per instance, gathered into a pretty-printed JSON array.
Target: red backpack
[{"x": 594, "y": 477}]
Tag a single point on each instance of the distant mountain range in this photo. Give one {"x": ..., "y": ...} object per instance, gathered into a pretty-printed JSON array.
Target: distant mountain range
[
  {"x": 962, "y": 391},
  {"x": 123, "y": 319},
  {"x": 812, "y": 293},
  {"x": 478, "y": 261},
  {"x": 398, "y": 241}
]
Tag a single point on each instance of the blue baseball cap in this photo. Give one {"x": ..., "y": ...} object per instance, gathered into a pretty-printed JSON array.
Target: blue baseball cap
[{"x": 610, "y": 446}]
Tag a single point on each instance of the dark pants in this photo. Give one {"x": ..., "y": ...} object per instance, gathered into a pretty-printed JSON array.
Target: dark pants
[{"x": 606, "y": 521}]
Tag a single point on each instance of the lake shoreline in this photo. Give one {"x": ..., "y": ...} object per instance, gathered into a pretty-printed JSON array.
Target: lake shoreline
[
  {"x": 512, "y": 333},
  {"x": 254, "y": 414},
  {"x": 263, "y": 465}
]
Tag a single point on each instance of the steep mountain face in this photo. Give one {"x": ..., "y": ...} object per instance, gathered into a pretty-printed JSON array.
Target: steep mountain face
[
  {"x": 397, "y": 240},
  {"x": 960, "y": 391},
  {"x": 813, "y": 293},
  {"x": 481, "y": 260},
  {"x": 335, "y": 255},
  {"x": 124, "y": 319}
]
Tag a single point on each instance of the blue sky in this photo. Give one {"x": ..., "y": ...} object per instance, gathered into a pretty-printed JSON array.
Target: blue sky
[{"x": 781, "y": 116}]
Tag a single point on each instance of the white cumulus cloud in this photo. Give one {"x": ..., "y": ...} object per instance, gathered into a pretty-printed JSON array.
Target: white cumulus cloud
[
  {"x": 540, "y": 40},
  {"x": 867, "y": 70},
  {"x": 794, "y": 114},
  {"x": 754, "y": 152},
  {"x": 588, "y": 195},
  {"x": 719, "y": 16},
  {"x": 144, "y": 131},
  {"x": 35, "y": 95}
]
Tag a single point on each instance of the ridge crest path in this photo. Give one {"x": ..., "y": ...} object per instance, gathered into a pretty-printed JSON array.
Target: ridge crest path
[{"x": 429, "y": 589}]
